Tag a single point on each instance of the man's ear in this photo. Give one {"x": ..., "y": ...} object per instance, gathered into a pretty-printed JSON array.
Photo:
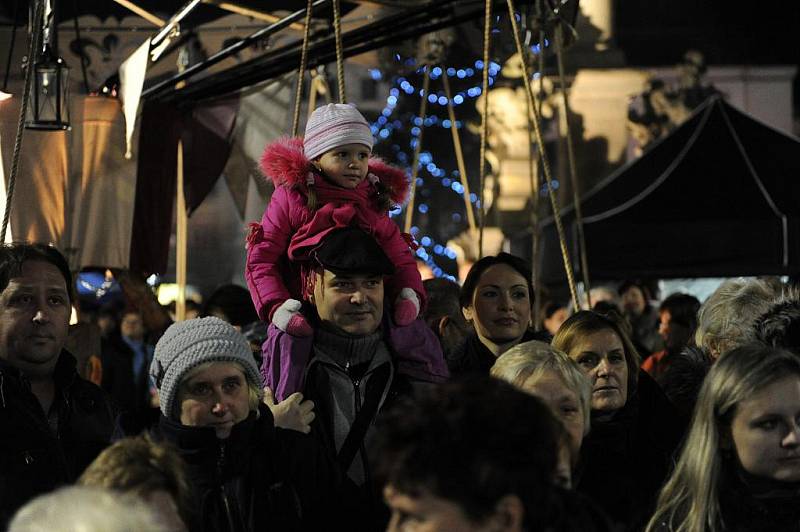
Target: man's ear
[
  {"x": 444, "y": 321},
  {"x": 467, "y": 312},
  {"x": 509, "y": 514}
]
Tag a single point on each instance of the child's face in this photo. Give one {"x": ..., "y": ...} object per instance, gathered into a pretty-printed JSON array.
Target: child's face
[{"x": 345, "y": 165}]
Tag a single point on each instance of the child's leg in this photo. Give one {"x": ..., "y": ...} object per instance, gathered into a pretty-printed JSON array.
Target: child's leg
[
  {"x": 284, "y": 363},
  {"x": 417, "y": 352}
]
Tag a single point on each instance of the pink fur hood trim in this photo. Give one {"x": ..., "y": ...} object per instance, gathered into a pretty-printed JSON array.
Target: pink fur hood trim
[{"x": 284, "y": 163}]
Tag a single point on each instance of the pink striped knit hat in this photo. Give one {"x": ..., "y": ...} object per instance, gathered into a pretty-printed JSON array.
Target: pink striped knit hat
[{"x": 333, "y": 125}]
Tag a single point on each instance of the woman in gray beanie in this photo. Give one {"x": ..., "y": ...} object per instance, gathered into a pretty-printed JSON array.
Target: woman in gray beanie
[{"x": 245, "y": 473}]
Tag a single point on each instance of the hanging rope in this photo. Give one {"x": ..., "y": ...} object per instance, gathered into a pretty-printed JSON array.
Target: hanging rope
[
  {"x": 462, "y": 168},
  {"x": 12, "y": 179},
  {"x": 337, "y": 30},
  {"x": 298, "y": 95},
  {"x": 573, "y": 173},
  {"x": 487, "y": 35},
  {"x": 423, "y": 106},
  {"x": 536, "y": 271},
  {"x": 543, "y": 156},
  {"x": 533, "y": 174},
  {"x": 80, "y": 46},
  {"x": 11, "y": 45}
]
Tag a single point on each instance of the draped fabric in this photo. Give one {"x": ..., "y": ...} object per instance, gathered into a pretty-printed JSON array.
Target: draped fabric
[
  {"x": 206, "y": 133},
  {"x": 101, "y": 187},
  {"x": 73, "y": 188},
  {"x": 38, "y": 210}
]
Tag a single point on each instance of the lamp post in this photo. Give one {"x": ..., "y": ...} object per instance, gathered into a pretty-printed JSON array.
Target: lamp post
[{"x": 48, "y": 107}]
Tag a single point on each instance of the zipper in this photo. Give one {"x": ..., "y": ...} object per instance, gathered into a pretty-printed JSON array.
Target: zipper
[
  {"x": 226, "y": 504},
  {"x": 356, "y": 388}
]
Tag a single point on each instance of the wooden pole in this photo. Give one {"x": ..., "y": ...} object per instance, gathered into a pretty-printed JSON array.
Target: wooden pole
[{"x": 180, "y": 246}]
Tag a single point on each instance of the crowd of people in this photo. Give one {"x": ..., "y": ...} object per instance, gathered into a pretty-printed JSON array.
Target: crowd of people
[{"x": 342, "y": 393}]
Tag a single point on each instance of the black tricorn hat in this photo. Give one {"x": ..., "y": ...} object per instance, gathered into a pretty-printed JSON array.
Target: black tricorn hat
[{"x": 350, "y": 250}]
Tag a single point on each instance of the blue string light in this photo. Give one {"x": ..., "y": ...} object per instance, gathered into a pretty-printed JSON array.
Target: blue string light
[{"x": 383, "y": 128}]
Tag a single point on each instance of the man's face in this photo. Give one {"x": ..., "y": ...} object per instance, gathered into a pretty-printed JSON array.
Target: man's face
[
  {"x": 132, "y": 326},
  {"x": 675, "y": 335},
  {"x": 425, "y": 512},
  {"x": 351, "y": 303},
  {"x": 34, "y": 318}
]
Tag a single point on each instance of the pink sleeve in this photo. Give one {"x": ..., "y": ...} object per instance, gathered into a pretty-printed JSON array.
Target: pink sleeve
[
  {"x": 406, "y": 274},
  {"x": 267, "y": 264}
]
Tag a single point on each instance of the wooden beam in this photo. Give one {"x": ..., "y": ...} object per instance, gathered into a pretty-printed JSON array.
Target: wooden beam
[
  {"x": 148, "y": 16},
  {"x": 254, "y": 13}
]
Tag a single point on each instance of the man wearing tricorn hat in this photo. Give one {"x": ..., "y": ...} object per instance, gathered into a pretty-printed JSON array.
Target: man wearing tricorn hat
[{"x": 356, "y": 363}]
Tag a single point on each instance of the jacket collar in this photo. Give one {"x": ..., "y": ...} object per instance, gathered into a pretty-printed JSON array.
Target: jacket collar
[{"x": 64, "y": 374}]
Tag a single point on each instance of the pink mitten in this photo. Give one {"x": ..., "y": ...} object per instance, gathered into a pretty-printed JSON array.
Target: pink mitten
[
  {"x": 287, "y": 318},
  {"x": 406, "y": 307}
]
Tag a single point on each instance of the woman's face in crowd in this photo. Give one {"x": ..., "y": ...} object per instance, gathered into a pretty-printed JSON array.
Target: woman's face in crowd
[
  {"x": 501, "y": 305},
  {"x": 766, "y": 431},
  {"x": 633, "y": 300},
  {"x": 550, "y": 388},
  {"x": 558, "y": 317},
  {"x": 602, "y": 357},
  {"x": 216, "y": 396}
]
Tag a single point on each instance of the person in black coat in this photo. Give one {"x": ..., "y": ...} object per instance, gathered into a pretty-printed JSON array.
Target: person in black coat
[
  {"x": 496, "y": 298},
  {"x": 244, "y": 473},
  {"x": 476, "y": 454},
  {"x": 52, "y": 422},
  {"x": 634, "y": 428}
]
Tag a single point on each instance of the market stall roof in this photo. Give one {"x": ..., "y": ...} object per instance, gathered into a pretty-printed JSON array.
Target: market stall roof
[{"x": 718, "y": 197}]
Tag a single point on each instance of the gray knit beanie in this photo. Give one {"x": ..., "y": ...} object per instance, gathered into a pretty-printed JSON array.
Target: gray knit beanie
[{"x": 186, "y": 345}]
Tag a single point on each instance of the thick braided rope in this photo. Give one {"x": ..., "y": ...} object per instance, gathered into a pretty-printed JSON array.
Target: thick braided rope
[
  {"x": 462, "y": 167},
  {"x": 337, "y": 31},
  {"x": 543, "y": 156},
  {"x": 12, "y": 179},
  {"x": 487, "y": 35},
  {"x": 423, "y": 106},
  {"x": 573, "y": 172},
  {"x": 298, "y": 95}
]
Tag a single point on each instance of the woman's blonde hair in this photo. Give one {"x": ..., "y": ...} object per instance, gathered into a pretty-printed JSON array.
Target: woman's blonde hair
[
  {"x": 88, "y": 509},
  {"x": 586, "y": 322},
  {"x": 140, "y": 466},
  {"x": 529, "y": 360},
  {"x": 254, "y": 393},
  {"x": 689, "y": 501}
]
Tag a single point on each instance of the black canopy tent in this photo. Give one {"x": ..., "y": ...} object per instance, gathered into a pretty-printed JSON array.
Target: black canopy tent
[{"x": 718, "y": 197}]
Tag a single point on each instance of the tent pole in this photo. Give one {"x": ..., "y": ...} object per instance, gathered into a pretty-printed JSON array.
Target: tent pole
[{"x": 180, "y": 246}]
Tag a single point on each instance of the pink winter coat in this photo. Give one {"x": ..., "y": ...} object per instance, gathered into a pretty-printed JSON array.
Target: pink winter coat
[{"x": 289, "y": 230}]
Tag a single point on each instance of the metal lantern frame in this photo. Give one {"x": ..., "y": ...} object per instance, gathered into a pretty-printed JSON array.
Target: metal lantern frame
[{"x": 48, "y": 107}]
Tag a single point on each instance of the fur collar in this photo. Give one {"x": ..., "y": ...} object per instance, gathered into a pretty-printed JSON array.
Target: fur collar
[{"x": 284, "y": 163}]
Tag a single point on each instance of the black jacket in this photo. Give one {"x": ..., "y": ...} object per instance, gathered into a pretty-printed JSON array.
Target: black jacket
[
  {"x": 475, "y": 358},
  {"x": 130, "y": 394},
  {"x": 374, "y": 391},
  {"x": 259, "y": 478},
  {"x": 749, "y": 504},
  {"x": 625, "y": 460},
  {"x": 34, "y": 459}
]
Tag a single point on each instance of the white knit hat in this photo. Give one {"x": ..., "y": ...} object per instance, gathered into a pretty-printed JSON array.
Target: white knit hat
[
  {"x": 186, "y": 345},
  {"x": 333, "y": 125}
]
